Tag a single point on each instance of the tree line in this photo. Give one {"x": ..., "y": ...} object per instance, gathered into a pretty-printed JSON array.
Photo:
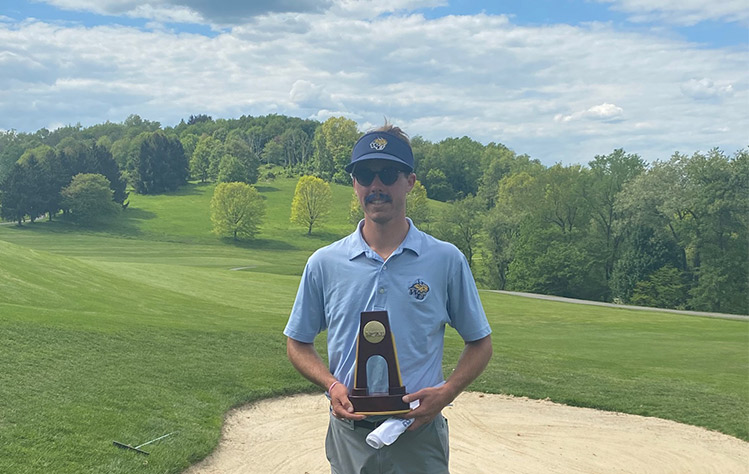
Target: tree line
[{"x": 672, "y": 233}]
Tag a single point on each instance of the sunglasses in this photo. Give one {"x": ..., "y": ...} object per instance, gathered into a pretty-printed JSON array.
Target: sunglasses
[{"x": 388, "y": 175}]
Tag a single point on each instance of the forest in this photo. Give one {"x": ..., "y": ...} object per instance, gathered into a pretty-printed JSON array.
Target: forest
[{"x": 671, "y": 233}]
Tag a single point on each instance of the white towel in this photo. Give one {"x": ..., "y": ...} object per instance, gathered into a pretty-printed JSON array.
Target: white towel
[{"x": 389, "y": 430}]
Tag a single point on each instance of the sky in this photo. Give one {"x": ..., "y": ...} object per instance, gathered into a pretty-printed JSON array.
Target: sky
[{"x": 559, "y": 80}]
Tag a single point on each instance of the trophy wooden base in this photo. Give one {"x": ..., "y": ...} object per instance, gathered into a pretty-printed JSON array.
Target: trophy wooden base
[{"x": 379, "y": 404}]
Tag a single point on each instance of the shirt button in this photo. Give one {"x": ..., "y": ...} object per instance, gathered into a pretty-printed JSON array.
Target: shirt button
[
  {"x": 384, "y": 267},
  {"x": 382, "y": 290}
]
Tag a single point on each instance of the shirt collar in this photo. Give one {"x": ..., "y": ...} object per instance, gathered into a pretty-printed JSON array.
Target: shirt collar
[{"x": 358, "y": 246}]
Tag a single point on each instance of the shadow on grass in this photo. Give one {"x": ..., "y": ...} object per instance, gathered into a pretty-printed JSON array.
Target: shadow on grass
[
  {"x": 135, "y": 213},
  {"x": 324, "y": 237},
  {"x": 190, "y": 189},
  {"x": 266, "y": 189},
  {"x": 126, "y": 224},
  {"x": 259, "y": 244}
]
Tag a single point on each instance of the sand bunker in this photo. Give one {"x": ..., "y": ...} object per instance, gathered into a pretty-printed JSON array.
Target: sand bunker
[{"x": 488, "y": 434}]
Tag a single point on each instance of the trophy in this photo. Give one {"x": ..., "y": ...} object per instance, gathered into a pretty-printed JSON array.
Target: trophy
[{"x": 376, "y": 339}]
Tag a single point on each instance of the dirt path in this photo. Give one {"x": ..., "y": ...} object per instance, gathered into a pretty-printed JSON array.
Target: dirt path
[
  {"x": 562, "y": 299},
  {"x": 489, "y": 434}
]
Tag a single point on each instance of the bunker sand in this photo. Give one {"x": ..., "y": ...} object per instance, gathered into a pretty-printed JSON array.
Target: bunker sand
[{"x": 488, "y": 434}]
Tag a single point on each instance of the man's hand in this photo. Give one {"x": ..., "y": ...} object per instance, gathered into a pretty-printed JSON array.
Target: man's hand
[
  {"x": 431, "y": 402},
  {"x": 307, "y": 361},
  {"x": 341, "y": 405}
]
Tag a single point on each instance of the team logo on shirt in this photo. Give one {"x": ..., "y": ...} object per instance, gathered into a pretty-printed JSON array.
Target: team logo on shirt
[{"x": 418, "y": 289}]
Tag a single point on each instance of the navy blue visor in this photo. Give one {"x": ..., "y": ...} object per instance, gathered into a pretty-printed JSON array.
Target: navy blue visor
[{"x": 381, "y": 146}]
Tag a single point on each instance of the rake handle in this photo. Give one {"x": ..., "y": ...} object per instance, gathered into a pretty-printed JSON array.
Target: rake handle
[
  {"x": 154, "y": 440},
  {"x": 137, "y": 448}
]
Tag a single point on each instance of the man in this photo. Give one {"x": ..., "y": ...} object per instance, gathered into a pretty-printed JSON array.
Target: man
[{"x": 423, "y": 284}]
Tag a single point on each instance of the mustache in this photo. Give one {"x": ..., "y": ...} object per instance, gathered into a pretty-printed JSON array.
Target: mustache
[{"x": 377, "y": 197}]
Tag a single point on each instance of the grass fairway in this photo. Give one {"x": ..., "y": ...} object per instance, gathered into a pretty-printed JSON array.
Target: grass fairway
[{"x": 153, "y": 325}]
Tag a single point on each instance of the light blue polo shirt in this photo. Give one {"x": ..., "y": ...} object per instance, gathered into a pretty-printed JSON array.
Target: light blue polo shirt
[{"x": 424, "y": 285}]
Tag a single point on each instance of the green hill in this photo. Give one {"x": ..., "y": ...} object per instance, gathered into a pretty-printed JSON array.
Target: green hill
[{"x": 154, "y": 325}]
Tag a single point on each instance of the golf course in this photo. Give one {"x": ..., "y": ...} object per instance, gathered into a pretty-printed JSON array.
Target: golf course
[{"x": 152, "y": 325}]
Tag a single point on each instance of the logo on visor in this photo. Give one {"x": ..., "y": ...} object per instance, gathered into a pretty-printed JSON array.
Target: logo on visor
[
  {"x": 378, "y": 144},
  {"x": 418, "y": 290}
]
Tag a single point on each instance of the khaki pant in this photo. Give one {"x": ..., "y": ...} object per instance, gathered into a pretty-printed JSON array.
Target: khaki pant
[{"x": 425, "y": 450}]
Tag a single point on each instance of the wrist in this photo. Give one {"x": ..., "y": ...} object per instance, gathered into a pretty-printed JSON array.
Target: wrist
[
  {"x": 451, "y": 390},
  {"x": 330, "y": 387}
]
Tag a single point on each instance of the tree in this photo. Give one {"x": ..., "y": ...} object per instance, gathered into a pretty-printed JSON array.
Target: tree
[
  {"x": 311, "y": 202},
  {"x": 19, "y": 195},
  {"x": 75, "y": 156},
  {"x": 160, "y": 164},
  {"x": 459, "y": 161},
  {"x": 89, "y": 198},
  {"x": 12, "y": 147},
  {"x": 237, "y": 209},
  {"x": 609, "y": 173},
  {"x": 499, "y": 232},
  {"x": 135, "y": 125},
  {"x": 562, "y": 202},
  {"x": 105, "y": 165},
  {"x": 417, "y": 204},
  {"x": 248, "y": 159},
  {"x": 551, "y": 262},
  {"x": 437, "y": 186},
  {"x": 355, "y": 212},
  {"x": 643, "y": 251},
  {"x": 698, "y": 205},
  {"x": 516, "y": 194},
  {"x": 189, "y": 142},
  {"x": 497, "y": 160},
  {"x": 204, "y": 154},
  {"x": 297, "y": 146},
  {"x": 545, "y": 218},
  {"x": 198, "y": 119},
  {"x": 460, "y": 224},
  {"x": 661, "y": 199},
  {"x": 664, "y": 288},
  {"x": 273, "y": 151},
  {"x": 124, "y": 152},
  {"x": 720, "y": 243},
  {"x": 332, "y": 145},
  {"x": 232, "y": 170},
  {"x": 48, "y": 177}
]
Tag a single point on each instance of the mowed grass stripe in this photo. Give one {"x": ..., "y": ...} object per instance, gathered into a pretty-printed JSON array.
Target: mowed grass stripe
[{"x": 123, "y": 358}]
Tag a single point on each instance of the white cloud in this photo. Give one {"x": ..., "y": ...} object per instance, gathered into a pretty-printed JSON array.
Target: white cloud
[
  {"x": 603, "y": 111},
  {"x": 683, "y": 12},
  {"x": 374, "y": 8},
  {"x": 306, "y": 94},
  {"x": 706, "y": 89},
  {"x": 168, "y": 14},
  {"x": 559, "y": 93}
]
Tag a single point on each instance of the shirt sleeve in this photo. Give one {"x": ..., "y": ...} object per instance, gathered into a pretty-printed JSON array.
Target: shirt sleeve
[
  {"x": 307, "y": 317},
  {"x": 464, "y": 306}
]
